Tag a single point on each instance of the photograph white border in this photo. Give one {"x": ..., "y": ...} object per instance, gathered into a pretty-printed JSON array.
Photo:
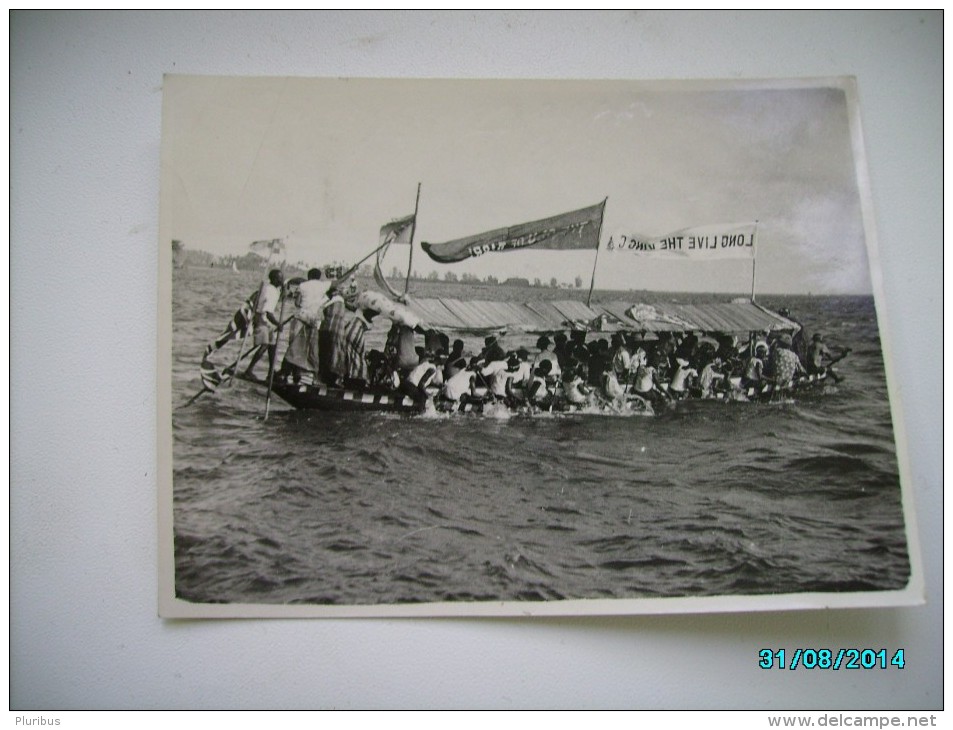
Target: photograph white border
[
  {"x": 911, "y": 594},
  {"x": 85, "y": 99}
]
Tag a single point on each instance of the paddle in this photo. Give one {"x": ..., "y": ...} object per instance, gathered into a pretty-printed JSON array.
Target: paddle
[
  {"x": 241, "y": 354},
  {"x": 829, "y": 368},
  {"x": 194, "y": 398}
]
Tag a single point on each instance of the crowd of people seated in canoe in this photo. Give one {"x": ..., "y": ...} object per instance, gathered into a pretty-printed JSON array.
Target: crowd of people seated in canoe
[
  {"x": 327, "y": 339},
  {"x": 566, "y": 369}
]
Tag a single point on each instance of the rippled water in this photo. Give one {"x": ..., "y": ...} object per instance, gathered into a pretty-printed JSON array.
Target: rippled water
[{"x": 711, "y": 499}]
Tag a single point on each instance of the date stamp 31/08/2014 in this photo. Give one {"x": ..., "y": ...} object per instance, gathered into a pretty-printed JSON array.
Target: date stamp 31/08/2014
[{"x": 835, "y": 659}]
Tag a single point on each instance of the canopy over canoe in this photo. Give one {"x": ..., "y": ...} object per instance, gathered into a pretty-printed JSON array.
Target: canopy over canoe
[
  {"x": 477, "y": 316},
  {"x": 735, "y": 317}
]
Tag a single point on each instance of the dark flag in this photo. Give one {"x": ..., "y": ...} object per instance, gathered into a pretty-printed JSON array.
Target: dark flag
[{"x": 577, "y": 229}]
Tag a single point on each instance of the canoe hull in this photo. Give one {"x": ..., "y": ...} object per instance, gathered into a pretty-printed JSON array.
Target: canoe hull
[
  {"x": 322, "y": 398},
  {"x": 316, "y": 396}
]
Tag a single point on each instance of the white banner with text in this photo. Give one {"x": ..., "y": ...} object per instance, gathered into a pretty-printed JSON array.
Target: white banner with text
[{"x": 716, "y": 241}]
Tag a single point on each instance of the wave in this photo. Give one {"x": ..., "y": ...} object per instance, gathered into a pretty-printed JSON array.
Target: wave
[{"x": 828, "y": 464}]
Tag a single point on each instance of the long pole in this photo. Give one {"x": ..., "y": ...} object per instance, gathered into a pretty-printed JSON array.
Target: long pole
[
  {"x": 241, "y": 352},
  {"x": 350, "y": 271},
  {"x": 754, "y": 260},
  {"x": 592, "y": 281},
  {"x": 413, "y": 229}
]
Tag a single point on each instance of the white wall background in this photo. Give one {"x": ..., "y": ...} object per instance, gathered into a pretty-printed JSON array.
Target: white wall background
[{"x": 84, "y": 143}]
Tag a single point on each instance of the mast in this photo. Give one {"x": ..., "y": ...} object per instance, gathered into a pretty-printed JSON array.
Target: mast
[
  {"x": 413, "y": 229},
  {"x": 754, "y": 260},
  {"x": 592, "y": 280}
]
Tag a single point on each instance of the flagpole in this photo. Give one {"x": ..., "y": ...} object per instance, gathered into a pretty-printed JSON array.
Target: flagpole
[
  {"x": 413, "y": 229},
  {"x": 592, "y": 281},
  {"x": 754, "y": 265},
  {"x": 754, "y": 260},
  {"x": 354, "y": 268}
]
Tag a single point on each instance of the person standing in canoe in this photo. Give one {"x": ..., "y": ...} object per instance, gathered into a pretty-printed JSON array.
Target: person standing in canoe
[
  {"x": 266, "y": 321},
  {"x": 303, "y": 342},
  {"x": 334, "y": 320},
  {"x": 348, "y": 365}
]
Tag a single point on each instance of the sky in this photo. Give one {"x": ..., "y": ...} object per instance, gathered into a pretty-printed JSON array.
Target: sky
[{"x": 323, "y": 163}]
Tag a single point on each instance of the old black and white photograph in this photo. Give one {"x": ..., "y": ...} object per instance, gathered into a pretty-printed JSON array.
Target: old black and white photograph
[{"x": 487, "y": 347}]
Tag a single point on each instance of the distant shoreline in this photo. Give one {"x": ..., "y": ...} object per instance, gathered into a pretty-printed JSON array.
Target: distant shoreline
[{"x": 512, "y": 293}]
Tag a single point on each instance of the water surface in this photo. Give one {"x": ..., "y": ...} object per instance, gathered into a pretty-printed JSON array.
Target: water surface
[{"x": 712, "y": 499}]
